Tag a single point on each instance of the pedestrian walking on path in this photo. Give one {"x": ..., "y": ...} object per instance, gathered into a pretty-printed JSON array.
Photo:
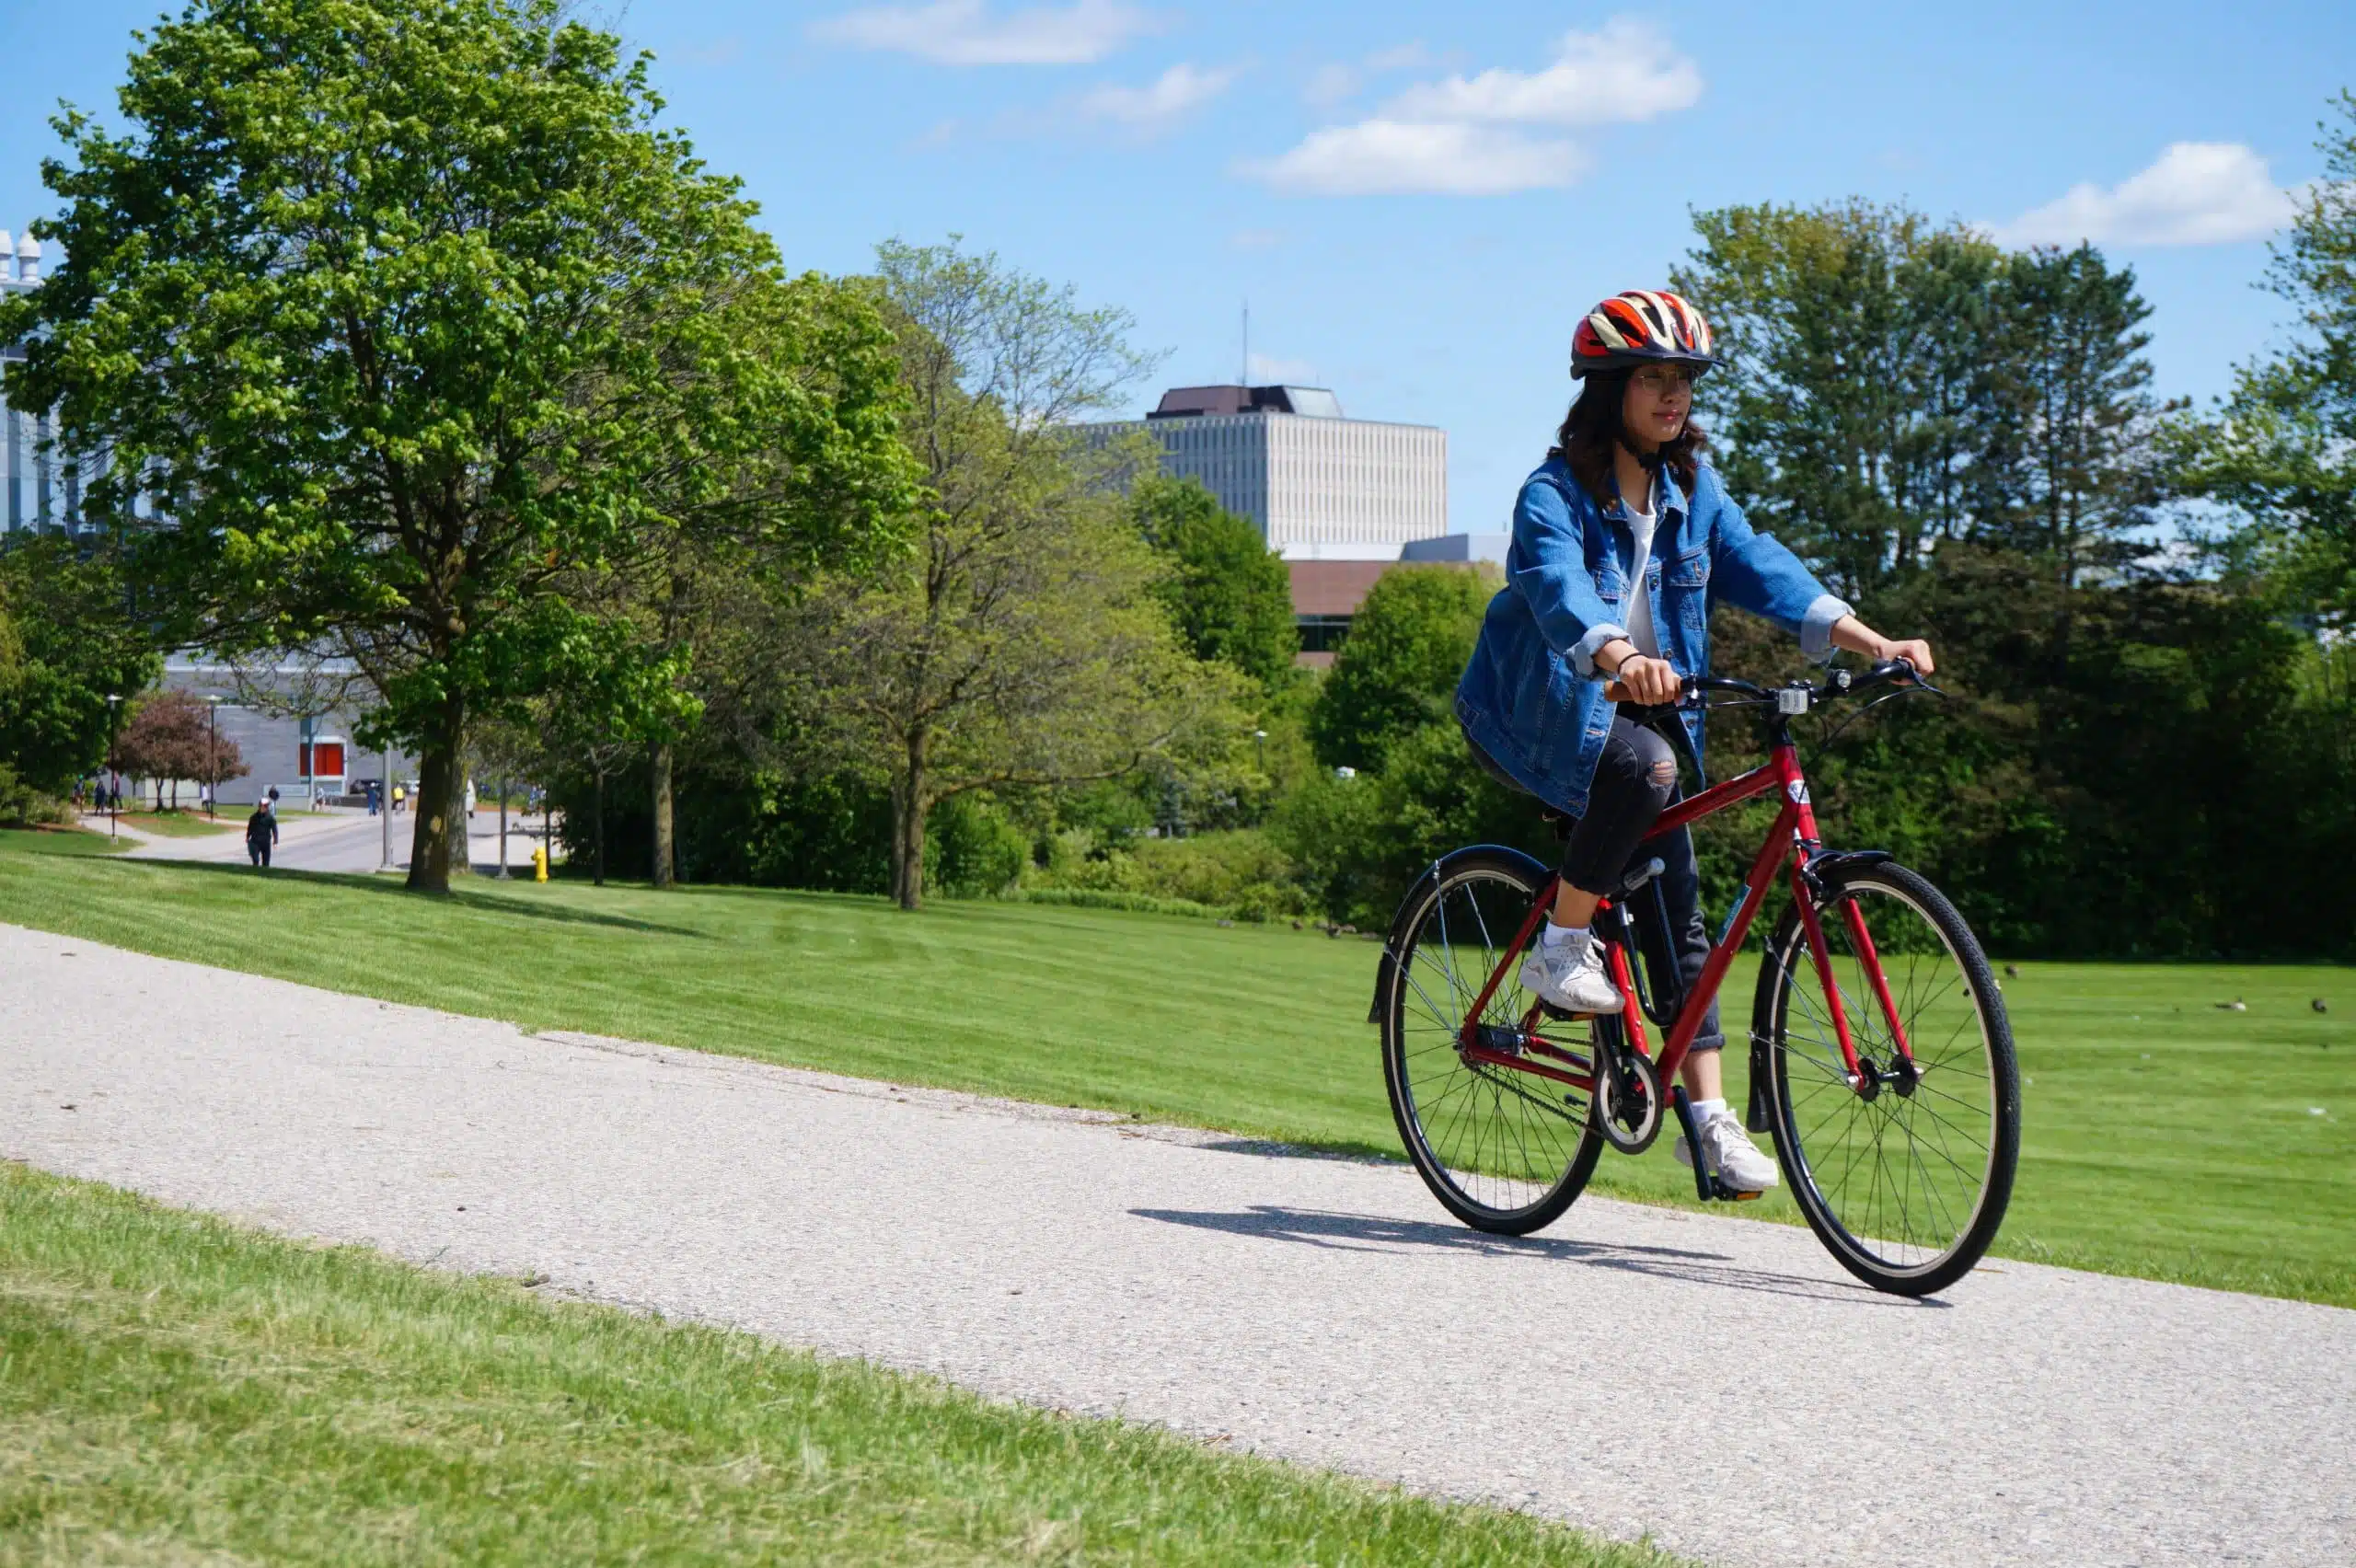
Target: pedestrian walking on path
[{"x": 261, "y": 833}]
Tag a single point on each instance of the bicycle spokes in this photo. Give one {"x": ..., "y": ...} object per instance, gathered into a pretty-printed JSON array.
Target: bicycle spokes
[
  {"x": 1897, "y": 1153},
  {"x": 1479, "y": 1088}
]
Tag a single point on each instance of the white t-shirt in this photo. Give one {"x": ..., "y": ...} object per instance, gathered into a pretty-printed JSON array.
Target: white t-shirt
[{"x": 1640, "y": 601}]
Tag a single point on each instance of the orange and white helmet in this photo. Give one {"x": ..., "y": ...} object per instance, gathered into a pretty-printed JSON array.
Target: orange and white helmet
[{"x": 1641, "y": 327}]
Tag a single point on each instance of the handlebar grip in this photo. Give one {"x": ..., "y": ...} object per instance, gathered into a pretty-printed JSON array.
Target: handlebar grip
[{"x": 1615, "y": 692}]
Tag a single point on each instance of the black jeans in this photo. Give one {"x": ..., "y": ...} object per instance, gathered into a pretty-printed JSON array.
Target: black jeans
[{"x": 1635, "y": 780}]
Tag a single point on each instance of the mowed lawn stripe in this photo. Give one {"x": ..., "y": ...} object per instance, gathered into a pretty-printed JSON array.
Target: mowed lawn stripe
[{"x": 2165, "y": 1136}]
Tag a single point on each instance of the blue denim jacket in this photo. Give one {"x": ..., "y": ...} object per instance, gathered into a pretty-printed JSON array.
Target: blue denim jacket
[{"x": 1531, "y": 695}]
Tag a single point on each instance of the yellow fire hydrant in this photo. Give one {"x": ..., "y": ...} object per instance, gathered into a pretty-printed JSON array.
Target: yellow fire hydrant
[{"x": 539, "y": 862}]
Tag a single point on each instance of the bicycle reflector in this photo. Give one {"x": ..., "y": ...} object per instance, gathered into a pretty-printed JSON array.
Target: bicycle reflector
[{"x": 1792, "y": 699}]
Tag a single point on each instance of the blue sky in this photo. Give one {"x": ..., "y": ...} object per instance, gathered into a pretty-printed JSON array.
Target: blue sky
[{"x": 1419, "y": 199}]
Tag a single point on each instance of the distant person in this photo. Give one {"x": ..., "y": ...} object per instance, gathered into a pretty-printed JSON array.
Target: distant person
[
  {"x": 400, "y": 794},
  {"x": 373, "y": 790},
  {"x": 273, "y": 798},
  {"x": 261, "y": 834}
]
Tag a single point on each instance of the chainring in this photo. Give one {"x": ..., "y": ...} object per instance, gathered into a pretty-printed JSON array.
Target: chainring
[{"x": 1626, "y": 1107}]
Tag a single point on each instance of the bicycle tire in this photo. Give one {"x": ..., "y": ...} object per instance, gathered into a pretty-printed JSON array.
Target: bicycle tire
[
  {"x": 1497, "y": 1159},
  {"x": 1822, "y": 1121}
]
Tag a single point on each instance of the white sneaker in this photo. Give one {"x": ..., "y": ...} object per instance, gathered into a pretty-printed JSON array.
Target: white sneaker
[
  {"x": 1571, "y": 976},
  {"x": 1732, "y": 1156}
]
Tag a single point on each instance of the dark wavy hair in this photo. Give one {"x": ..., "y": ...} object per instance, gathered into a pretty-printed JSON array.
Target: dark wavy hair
[{"x": 1592, "y": 429}]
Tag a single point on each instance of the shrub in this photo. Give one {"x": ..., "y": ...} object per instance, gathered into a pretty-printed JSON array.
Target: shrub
[
  {"x": 971, "y": 850},
  {"x": 22, "y": 805},
  {"x": 1242, "y": 872}
]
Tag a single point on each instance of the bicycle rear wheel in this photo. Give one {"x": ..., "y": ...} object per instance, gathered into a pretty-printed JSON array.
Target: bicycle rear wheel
[
  {"x": 1905, "y": 1172},
  {"x": 1503, "y": 1151}
]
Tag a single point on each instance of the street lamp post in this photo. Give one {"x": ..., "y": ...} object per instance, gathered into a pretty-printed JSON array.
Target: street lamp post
[
  {"x": 385, "y": 807},
  {"x": 114, "y": 786},
  {"x": 1260, "y": 739},
  {"x": 211, "y": 758},
  {"x": 502, "y": 830}
]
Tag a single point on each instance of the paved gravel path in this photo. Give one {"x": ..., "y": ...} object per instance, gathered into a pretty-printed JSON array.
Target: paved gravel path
[
  {"x": 1315, "y": 1309},
  {"x": 338, "y": 841}
]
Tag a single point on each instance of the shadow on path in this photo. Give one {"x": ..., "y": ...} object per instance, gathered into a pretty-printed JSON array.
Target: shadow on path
[{"x": 1374, "y": 1233}]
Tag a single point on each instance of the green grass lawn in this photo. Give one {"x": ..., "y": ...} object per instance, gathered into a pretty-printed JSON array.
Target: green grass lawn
[
  {"x": 190, "y": 824},
  {"x": 60, "y": 841},
  {"x": 2164, "y": 1137},
  {"x": 174, "y": 1390}
]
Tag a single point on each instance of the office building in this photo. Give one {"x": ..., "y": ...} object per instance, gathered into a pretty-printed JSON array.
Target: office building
[
  {"x": 32, "y": 485},
  {"x": 1319, "y": 486}
]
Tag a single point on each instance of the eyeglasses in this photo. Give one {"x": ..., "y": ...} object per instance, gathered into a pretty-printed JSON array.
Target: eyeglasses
[{"x": 1663, "y": 380}]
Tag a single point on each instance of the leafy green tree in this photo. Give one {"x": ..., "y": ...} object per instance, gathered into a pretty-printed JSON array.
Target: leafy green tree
[
  {"x": 1405, "y": 652},
  {"x": 1229, "y": 595},
  {"x": 66, "y": 643},
  {"x": 1855, "y": 397},
  {"x": 2284, "y": 453},
  {"x": 1020, "y": 644},
  {"x": 412, "y": 319}
]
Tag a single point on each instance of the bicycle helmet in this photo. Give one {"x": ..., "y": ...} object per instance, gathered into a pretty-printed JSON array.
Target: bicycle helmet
[{"x": 1641, "y": 327}]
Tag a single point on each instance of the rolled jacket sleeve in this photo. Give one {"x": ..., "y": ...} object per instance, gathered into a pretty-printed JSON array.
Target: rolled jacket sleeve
[
  {"x": 1816, "y": 627},
  {"x": 1755, "y": 571},
  {"x": 1553, "y": 580}
]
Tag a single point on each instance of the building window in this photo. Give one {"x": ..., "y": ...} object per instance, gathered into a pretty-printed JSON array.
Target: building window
[{"x": 1322, "y": 634}]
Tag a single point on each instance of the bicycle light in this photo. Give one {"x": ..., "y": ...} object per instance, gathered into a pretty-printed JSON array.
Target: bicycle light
[{"x": 1791, "y": 700}]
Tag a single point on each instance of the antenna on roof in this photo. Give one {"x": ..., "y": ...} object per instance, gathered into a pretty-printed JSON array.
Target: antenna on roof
[{"x": 1243, "y": 377}]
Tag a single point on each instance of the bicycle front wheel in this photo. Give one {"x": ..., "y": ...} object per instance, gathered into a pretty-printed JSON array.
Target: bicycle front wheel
[
  {"x": 1503, "y": 1151},
  {"x": 1903, "y": 1169}
]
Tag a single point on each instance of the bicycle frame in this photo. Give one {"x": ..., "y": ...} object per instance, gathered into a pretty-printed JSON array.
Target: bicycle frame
[{"x": 1793, "y": 841}]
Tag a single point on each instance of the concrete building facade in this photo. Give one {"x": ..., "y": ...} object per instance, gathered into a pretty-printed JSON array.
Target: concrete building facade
[{"x": 1319, "y": 486}]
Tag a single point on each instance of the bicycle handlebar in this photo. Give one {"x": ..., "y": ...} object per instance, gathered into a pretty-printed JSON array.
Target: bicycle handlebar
[{"x": 1837, "y": 683}]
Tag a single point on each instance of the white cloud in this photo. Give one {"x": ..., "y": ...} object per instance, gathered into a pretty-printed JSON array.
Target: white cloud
[
  {"x": 965, "y": 32},
  {"x": 1329, "y": 84},
  {"x": 1380, "y": 157},
  {"x": 1627, "y": 72},
  {"x": 1175, "y": 93},
  {"x": 2195, "y": 193},
  {"x": 1458, "y": 136},
  {"x": 1256, "y": 238}
]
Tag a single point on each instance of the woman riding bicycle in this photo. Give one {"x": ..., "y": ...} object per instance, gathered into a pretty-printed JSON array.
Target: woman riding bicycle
[{"x": 1622, "y": 540}]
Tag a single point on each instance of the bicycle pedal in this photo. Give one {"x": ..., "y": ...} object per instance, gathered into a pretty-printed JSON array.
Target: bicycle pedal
[{"x": 1745, "y": 1197}]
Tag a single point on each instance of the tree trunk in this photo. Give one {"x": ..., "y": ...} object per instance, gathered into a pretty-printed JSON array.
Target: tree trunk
[
  {"x": 441, "y": 800},
  {"x": 665, "y": 870},
  {"x": 597, "y": 865},
  {"x": 907, "y": 829}
]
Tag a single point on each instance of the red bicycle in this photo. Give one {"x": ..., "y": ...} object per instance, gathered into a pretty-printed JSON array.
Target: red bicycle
[{"x": 1880, "y": 1057}]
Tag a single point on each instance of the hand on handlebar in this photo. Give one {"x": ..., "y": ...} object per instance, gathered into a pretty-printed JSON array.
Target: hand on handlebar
[
  {"x": 1649, "y": 681},
  {"x": 1915, "y": 650}
]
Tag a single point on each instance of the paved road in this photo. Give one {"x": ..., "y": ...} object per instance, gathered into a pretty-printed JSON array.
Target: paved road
[
  {"x": 336, "y": 841},
  {"x": 1313, "y": 1308}
]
